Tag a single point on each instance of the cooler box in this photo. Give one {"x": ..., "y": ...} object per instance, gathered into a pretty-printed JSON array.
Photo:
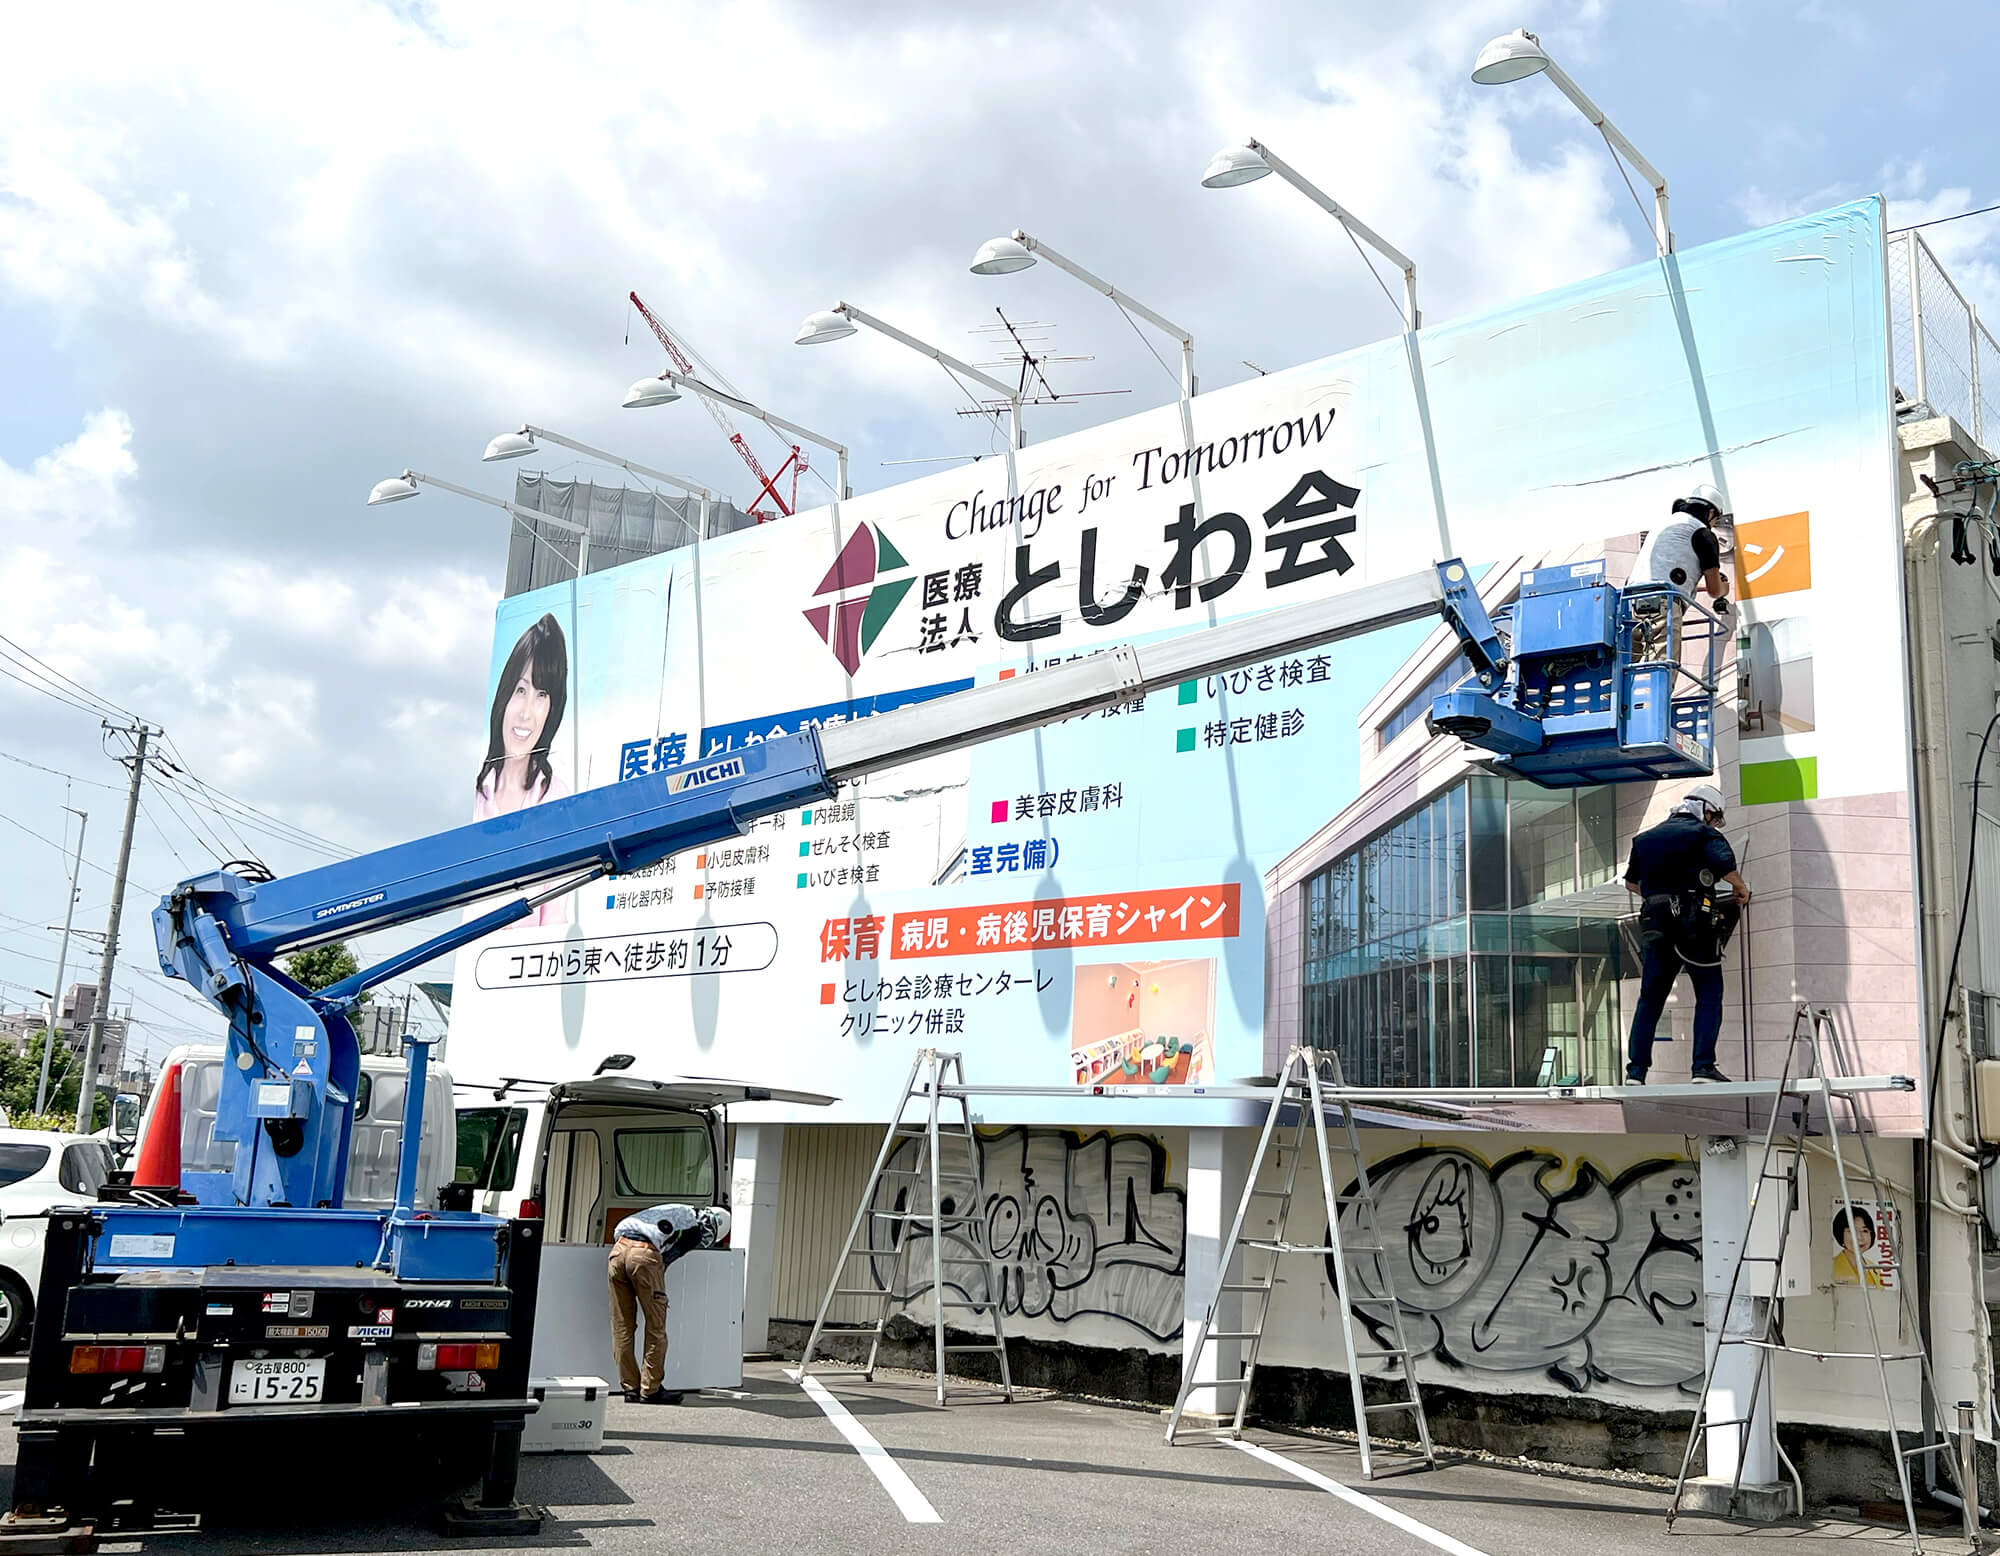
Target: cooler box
[{"x": 569, "y": 1417}]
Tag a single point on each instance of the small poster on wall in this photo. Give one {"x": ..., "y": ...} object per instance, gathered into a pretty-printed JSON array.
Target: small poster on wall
[{"x": 1865, "y": 1244}]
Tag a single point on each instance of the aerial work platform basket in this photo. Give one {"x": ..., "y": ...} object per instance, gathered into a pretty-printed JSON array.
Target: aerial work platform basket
[{"x": 1600, "y": 684}]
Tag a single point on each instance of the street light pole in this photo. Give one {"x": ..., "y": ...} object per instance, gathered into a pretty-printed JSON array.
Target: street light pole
[
  {"x": 513, "y": 445},
  {"x": 1003, "y": 256},
  {"x": 62, "y": 964},
  {"x": 399, "y": 487},
  {"x": 1514, "y": 56},
  {"x": 1253, "y": 160},
  {"x": 666, "y": 388},
  {"x": 838, "y": 322}
]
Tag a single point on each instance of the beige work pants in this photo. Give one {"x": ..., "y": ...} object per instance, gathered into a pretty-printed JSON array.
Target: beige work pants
[{"x": 638, "y": 1286}]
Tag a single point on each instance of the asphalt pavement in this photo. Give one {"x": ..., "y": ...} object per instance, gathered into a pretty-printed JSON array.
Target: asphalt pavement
[{"x": 765, "y": 1468}]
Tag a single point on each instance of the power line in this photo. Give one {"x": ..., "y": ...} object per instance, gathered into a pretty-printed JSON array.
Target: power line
[
  {"x": 177, "y": 803},
  {"x": 147, "y": 811},
  {"x": 25, "y": 669},
  {"x": 49, "y": 691},
  {"x": 55, "y": 772},
  {"x": 233, "y": 823},
  {"x": 243, "y": 808},
  {"x": 27, "y": 660},
  {"x": 59, "y": 848},
  {"x": 1939, "y": 221}
]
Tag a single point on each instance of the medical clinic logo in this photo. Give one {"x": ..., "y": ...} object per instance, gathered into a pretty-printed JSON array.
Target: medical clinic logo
[{"x": 850, "y": 623}]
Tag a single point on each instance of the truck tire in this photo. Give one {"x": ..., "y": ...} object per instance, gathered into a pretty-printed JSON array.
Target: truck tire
[{"x": 17, "y": 1312}]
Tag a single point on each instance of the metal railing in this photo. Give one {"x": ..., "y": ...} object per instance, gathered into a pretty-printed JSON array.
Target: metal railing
[{"x": 1943, "y": 354}]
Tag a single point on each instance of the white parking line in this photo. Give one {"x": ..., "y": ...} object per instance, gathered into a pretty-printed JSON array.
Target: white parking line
[
  {"x": 910, "y": 1502},
  {"x": 9, "y": 1401},
  {"x": 1353, "y": 1498}
]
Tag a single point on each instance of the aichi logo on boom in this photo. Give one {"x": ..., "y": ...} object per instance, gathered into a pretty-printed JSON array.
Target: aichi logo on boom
[{"x": 863, "y": 599}]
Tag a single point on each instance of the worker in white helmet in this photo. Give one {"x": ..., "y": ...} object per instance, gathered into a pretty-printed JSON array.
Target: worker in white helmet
[
  {"x": 1684, "y": 922},
  {"x": 1683, "y": 553}
]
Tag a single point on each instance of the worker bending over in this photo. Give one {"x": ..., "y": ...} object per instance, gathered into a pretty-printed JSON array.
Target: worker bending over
[
  {"x": 1683, "y": 552},
  {"x": 645, "y": 1243},
  {"x": 1683, "y": 923}
]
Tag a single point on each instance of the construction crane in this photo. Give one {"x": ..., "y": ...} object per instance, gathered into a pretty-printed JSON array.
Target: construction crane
[{"x": 795, "y": 461}]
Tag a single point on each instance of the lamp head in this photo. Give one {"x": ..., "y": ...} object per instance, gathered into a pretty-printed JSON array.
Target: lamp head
[
  {"x": 823, "y": 326},
  {"x": 395, "y": 489},
  {"x": 1001, "y": 257},
  {"x": 650, "y": 391},
  {"x": 1234, "y": 165},
  {"x": 1510, "y": 57},
  {"x": 509, "y": 445}
]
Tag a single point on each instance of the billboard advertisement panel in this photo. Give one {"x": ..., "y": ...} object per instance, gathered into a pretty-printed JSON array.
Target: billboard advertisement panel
[{"x": 1086, "y": 903}]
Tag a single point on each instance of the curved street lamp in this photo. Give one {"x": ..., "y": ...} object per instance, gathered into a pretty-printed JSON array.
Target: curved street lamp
[
  {"x": 399, "y": 488},
  {"x": 1244, "y": 164},
  {"x": 665, "y": 389},
  {"x": 516, "y": 445},
  {"x": 1514, "y": 56},
  {"x": 839, "y": 321},
  {"x": 1004, "y": 256}
]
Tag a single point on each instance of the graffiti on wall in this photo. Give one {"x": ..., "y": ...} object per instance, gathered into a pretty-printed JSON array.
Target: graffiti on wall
[
  {"x": 1078, "y": 1225},
  {"x": 1531, "y": 1266}
]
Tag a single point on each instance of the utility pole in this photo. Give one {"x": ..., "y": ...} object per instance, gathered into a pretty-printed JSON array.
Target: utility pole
[
  {"x": 86, "y": 1092},
  {"x": 62, "y": 963}
]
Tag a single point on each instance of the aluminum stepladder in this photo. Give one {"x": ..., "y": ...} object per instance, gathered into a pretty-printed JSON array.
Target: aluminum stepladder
[
  {"x": 1813, "y": 1034},
  {"x": 1300, "y": 1088},
  {"x": 945, "y": 1171}
]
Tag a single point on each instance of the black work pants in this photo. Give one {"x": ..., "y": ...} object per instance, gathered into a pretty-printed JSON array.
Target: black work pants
[{"x": 1663, "y": 965}]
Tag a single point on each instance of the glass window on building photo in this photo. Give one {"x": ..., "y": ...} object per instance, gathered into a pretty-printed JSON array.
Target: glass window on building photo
[{"x": 1452, "y": 948}]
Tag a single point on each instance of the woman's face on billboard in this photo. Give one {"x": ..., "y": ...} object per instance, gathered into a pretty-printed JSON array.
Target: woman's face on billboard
[{"x": 527, "y": 712}]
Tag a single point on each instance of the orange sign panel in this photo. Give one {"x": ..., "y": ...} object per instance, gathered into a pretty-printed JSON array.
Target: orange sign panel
[
  {"x": 1774, "y": 556},
  {"x": 1106, "y": 919}
]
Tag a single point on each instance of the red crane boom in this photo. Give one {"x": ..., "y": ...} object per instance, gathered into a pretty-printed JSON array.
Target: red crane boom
[{"x": 767, "y": 485}]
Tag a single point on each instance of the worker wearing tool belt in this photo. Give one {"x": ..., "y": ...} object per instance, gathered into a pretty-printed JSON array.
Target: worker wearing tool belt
[
  {"x": 1684, "y": 921},
  {"x": 644, "y": 1244}
]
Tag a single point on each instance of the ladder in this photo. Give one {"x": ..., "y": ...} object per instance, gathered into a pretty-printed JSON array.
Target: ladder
[
  {"x": 942, "y": 1197},
  {"x": 1779, "y": 1166},
  {"x": 1300, "y": 1088}
]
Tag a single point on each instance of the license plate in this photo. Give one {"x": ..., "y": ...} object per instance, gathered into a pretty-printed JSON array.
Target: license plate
[{"x": 292, "y": 1381}]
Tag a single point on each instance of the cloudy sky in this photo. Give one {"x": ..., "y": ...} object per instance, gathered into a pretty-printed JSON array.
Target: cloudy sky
[{"x": 254, "y": 258}]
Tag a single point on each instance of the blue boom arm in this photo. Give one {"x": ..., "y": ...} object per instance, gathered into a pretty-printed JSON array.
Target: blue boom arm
[{"x": 289, "y": 1074}]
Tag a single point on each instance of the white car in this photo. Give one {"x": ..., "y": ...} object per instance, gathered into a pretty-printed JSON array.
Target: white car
[{"x": 40, "y": 1170}]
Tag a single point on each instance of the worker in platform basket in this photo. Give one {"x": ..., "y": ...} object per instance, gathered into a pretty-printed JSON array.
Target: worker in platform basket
[
  {"x": 642, "y": 1247},
  {"x": 1677, "y": 872},
  {"x": 1683, "y": 552}
]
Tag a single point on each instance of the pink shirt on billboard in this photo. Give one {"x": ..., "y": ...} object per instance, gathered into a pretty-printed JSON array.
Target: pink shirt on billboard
[{"x": 489, "y": 802}]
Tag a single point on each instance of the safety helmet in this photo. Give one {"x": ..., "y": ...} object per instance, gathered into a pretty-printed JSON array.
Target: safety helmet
[
  {"x": 1708, "y": 797},
  {"x": 1704, "y": 498},
  {"x": 714, "y": 1225}
]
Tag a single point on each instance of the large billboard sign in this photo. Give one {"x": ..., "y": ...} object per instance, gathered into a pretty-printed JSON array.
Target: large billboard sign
[{"x": 1085, "y": 903}]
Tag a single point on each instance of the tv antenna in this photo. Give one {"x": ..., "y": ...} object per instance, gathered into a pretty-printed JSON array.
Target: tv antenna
[{"x": 1028, "y": 360}]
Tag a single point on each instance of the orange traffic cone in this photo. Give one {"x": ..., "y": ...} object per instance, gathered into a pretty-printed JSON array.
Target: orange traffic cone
[{"x": 158, "y": 1162}]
